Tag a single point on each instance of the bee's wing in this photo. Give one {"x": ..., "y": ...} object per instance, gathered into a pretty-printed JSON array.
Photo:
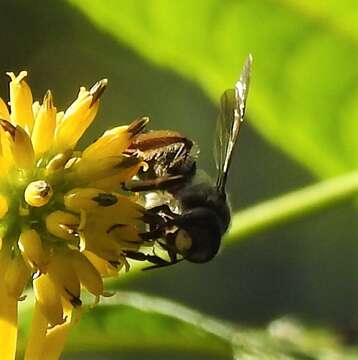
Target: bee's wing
[{"x": 232, "y": 111}]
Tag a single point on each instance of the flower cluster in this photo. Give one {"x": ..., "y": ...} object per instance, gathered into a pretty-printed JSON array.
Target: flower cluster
[{"x": 62, "y": 225}]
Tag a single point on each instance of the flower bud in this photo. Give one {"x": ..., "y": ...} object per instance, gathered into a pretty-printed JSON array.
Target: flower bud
[{"x": 38, "y": 193}]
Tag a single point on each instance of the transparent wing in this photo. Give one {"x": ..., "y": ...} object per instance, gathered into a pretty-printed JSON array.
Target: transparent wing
[
  {"x": 232, "y": 111},
  {"x": 223, "y": 126}
]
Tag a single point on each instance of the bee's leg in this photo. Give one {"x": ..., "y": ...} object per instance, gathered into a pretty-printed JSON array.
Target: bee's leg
[
  {"x": 169, "y": 246},
  {"x": 151, "y": 216},
  {"x": 152, "y": 219},
  {"x": 152, "y": 267},
  {"x": 156, "y": 221},
  {"x": 199, "y": 215},
  {"x": 153, "y": 234},
  {"x": 164, "y": 209},
  {"x": 154, "y": 259},
  {"x": 159, "y": 183}
]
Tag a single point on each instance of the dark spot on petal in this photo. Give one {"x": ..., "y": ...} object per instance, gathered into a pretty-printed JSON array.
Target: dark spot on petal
[
  {"x": 114, "y": 226},
  {"x": 105, "y": 199},
  {"x": 75, "y": 301},
  {"x": 8, "y": 127}
]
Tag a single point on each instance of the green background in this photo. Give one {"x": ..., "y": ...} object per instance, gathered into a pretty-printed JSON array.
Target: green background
[{"x": 170, "y": 61}]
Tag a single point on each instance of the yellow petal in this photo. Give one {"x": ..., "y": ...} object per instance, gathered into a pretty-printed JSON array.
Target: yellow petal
[
  {"x": 55, "y": 339},
  {"x": 23, "y": 152},
  {"x": 4, "y": 111},
  {"x": 95, "y": 232},
  {"x": 4, "y": 167},
  {"x": 21, "y": 101},
  {"x": 64, "y": 277},
  {"x": 8, "y": 313},
  {"x": 35, "y": 108},
  {"x": 36, "y": 339},
  {"x": 7, "y": 144},
  {"x": 82, "y": 199},
  {"x": 59, "y": 161},
  {"x": 105, "y": 268},
  {"x": 30, "y": 245},
  {"x": 79, "y": 116},
  {"x": 87, "y": 273},
  {"x": 63, "y": 225},
  {"x": 8, "y": 326},
  {"x": 111, "y": 182},
  {"x": 48, "y": 299},
  {"x": 106, "y": 167},
  {"x": 4, "y": 207},
  {"x": 95, "y": 240},
  {"x": 16, "y": 277},
  {"x": 109, "y": 207},
  {"x": 16, "y": 145},
  {"x": 112, "y": 143},
  {"x": 126, "y": 236},
  {"x": 44, "y": 343},
  {"x": 45, "y": 124}
]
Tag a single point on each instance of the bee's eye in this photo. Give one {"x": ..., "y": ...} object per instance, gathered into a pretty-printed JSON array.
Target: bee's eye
[{"x": 183, "y": 241}]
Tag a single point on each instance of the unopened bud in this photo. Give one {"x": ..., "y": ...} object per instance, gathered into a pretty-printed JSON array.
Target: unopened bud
[{"x": 38, "y": 193}]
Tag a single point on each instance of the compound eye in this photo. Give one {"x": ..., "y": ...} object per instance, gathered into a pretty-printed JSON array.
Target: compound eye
[{"x": 183, "y": 241}]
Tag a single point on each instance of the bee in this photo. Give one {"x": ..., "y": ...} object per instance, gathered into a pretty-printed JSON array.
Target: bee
[{"x": 194, "y": 229}]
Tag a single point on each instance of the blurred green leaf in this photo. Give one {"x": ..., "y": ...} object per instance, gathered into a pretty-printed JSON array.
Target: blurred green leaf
[
  {"x": 304, "y": 96},
  {"x": 134, "y": 322},
  {"x": 130, "y": 321}
]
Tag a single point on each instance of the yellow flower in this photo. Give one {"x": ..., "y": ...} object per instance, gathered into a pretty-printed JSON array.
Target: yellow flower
[{"x": 64, "y": 224}]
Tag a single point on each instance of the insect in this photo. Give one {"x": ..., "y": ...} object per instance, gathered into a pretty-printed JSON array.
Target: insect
[{"x": 193, "y": 232}]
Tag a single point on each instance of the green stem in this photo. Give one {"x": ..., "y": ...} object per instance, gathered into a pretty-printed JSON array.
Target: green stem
[{"x": 291, "y": 206}]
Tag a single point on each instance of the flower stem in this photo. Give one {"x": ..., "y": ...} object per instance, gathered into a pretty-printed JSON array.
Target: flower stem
[{"x": 291, "y": 206}]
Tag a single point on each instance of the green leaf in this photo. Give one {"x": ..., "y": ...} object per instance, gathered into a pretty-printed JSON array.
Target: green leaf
[
  {"x": 304, "y": 95},
  {"x": 130, "y": 321}
]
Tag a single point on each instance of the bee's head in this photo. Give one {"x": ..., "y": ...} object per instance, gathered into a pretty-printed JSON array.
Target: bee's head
[{"x": 197, "y": 244}]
